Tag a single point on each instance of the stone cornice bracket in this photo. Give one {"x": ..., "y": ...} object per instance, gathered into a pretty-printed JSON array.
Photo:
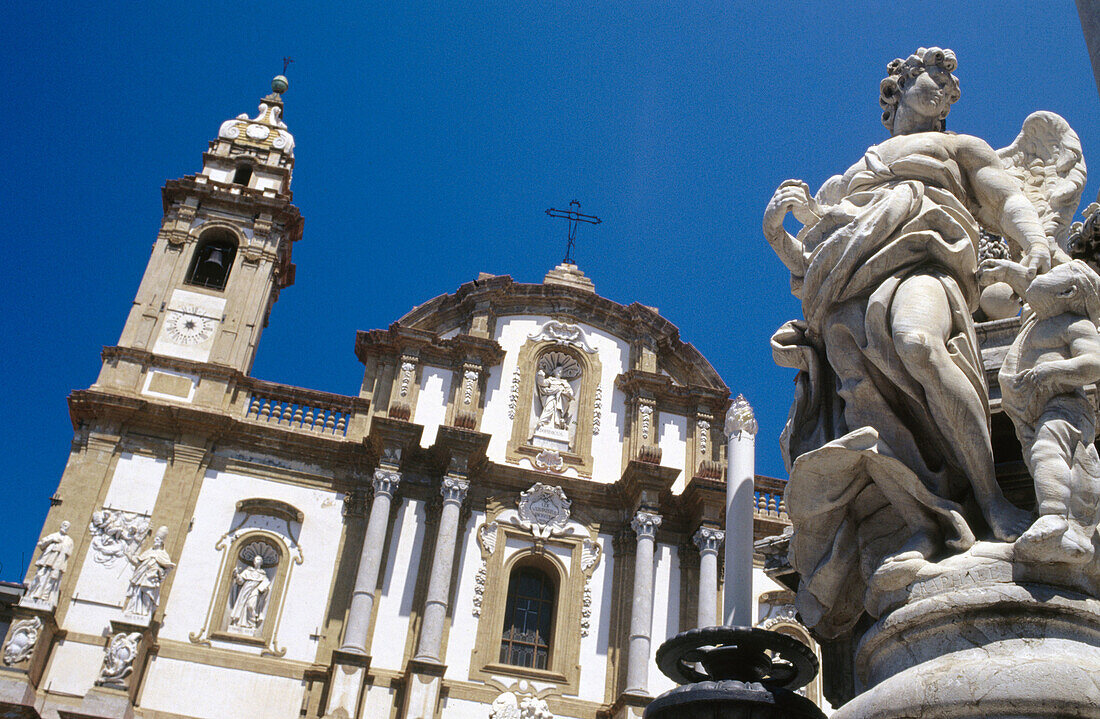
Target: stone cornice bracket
[
  {"x": 386, "y": 482},
  {"x": 740, "y": 418},
  {"x": 708, "y": 539},
  {"x": 645, "y": 524}
]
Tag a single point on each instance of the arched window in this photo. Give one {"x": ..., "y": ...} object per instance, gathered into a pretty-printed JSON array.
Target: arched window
[
  {"x": 213, "y": 259},
  {"x": 528, "y": 619}
]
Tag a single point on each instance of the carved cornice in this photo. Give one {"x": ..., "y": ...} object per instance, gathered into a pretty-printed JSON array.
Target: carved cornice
[
  {"x": 427, "y": 347},
  {"x": 503, "y": 297},
  {"x": 669, "y": 396}
]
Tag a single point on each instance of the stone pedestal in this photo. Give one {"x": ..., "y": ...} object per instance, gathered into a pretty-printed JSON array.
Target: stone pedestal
[
  {"x": 424, "y": 679},
  {"x": 347, "y": 676},
  {"x": 979, "y": 647},
  {"x": 26, "y": 649}
]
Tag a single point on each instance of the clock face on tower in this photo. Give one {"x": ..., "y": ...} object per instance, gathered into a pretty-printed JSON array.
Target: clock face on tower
[{"x": 188, "y": 326}]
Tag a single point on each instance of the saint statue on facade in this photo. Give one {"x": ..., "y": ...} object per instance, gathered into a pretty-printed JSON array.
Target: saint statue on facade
[
  {"x": 56, "y": 550},
  {"x": 556, "y": 395},
  {"x": 246, "y": 613},
  {"x": 150, "y": 569},
  {"x": 888, "y": 440}
]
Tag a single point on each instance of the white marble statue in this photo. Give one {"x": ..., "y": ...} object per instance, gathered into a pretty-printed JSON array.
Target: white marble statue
[
  {"x": 150, "y": 569},
  {"x": 556, "y": 395},
  {"x": 1043, "y": 380},
  {"x": 247, "y": 613},
  {"x": 888, "y": 441},
  {"x": 56, "y": 550}
]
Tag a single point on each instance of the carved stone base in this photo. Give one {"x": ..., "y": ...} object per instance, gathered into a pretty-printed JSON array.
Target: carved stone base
[
  {"x": 423, "y": 683},
  {"x": 17, "y": 695},
  {"x": 347, "y": 676},
  {"x": 992, "y": 649},
  {"x": 102, "y": 703}
]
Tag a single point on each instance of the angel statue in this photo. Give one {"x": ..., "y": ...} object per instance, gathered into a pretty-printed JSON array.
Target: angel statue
[{"x": 888, "y": 439}]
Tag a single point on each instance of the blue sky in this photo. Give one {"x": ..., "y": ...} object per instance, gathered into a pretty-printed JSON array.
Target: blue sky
[{"x": 431, "y": 137}]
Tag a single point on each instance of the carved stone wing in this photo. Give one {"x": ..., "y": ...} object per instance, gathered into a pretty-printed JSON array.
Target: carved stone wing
[{"x": 1046, "y": 160}]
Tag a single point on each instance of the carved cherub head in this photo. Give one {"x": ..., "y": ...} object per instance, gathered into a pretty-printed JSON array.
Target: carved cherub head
[
  {"x": 1070, "y": 288},
  {"x": 905, "y": 75}
]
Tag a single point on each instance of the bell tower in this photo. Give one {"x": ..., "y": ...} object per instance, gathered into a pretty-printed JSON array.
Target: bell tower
[{"x": 221, "y": 257}]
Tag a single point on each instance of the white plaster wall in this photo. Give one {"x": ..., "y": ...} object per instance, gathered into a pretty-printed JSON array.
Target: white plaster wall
[
  {"x": 451, "y": 708},
  {"x": 463, "y": 633},
  {"x": 666, "y": 611},
  {"x": 136, "y": 483},
  {"x": 218, "y": 174},
  {"x": 761, "y": 583},
  {"x": 511, "y": 333},
  {"x": 307, "y": 588},
  {"x": 100, "y": 591},
  {"x": 177, "y": 686},
  {"x": 185, "y": 300},
  {"x": 672, "y": 439},
  {"x": 593, "y": 655},
  {"x": 73, "y": 668},
  {"x": 378, "y": 702},
  {"x": 431, "y": 402},
  {"x": 395, "y": 597}
]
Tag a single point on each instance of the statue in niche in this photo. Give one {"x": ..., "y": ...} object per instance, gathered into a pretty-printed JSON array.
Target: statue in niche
[
  {"x": 888, "y": 440},
  {"x": 56, "y": 550},
  {"x": 247, "y": 607},
  {"x": 556, "y": 395},
  {"x": 150, "y": 569},
  {"x": 1043, "y": 380}
]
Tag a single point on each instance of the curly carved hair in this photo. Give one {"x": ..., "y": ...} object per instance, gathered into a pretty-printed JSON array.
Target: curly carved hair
[{"x": 899, "y": 72}]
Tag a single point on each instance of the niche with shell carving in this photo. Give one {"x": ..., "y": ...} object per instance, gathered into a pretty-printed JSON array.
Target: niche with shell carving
[{"x": 554, "y": 415}]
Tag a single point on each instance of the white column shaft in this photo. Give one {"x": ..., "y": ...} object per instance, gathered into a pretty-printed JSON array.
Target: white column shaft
[
  {"x": 740, "y": 476},
  {"x": 707, "y": 614},
  {"x": 641, "y": 613},
  {"x": 439, "y": 583},
  {"x": 366, "y": 577}
]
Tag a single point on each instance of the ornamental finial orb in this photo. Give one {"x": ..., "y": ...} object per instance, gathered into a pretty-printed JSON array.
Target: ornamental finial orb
[{"x": 279, "y": 84}]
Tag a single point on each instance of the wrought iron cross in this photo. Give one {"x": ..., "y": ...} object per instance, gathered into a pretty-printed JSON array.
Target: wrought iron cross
[
  {"x": 574, "y": 217},
  {"x": 286, "y": 63}
]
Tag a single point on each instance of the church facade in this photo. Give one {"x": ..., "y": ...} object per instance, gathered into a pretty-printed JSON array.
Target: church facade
[{"x": 525, "y": 498}]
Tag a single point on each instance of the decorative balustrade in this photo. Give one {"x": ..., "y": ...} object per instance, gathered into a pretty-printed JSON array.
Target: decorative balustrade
[
  {"x": 302, "y": 410},
  {"x": 768, "y": 498}
]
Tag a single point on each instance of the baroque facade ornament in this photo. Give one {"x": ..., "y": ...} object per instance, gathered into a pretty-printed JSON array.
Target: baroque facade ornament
[
  {"x": 704, "y": 434},
  {"x": 249, "y": 607},
  {"x": 24, "y": 635},
  {"x": 518, "y": 705},
  {"x": 513, "y": 396},
  {"x": 549, "y": 459},
  {"x": 563, "y": 333},
  {"x": 453, "y": 489},
  {"x": 597, "y": 409},
  {"x": 150, "y": 569},
  {"x": 468, "y": 384},
  {"x": 116, "y": 534},
  {"x": 740, "y": 418},
  {"x": 118, "y": 662},
  {"x": 591, "y": 553},
  {"x": 645, "y": 524},
  {"x": 487, "y": 539},
  {"x": 646, "y": 412},
  {"x": 386, "y": 481},
  {"x": 56, "y": 550},
  {"x": 544, "y": 510},
  {"x": 708, "y": 539},
  {"x": 406, "y": 377}
]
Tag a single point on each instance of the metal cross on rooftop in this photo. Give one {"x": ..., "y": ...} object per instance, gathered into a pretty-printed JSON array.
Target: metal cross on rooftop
[
  {"x": 286, "y": 63},
  {"x": 574, "y": 217}
]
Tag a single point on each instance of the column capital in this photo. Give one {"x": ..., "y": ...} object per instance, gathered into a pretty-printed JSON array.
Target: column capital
[
  {"x": 740, "y": 418},
  {"x": 708, "y": 539},
  {"x": 454, "y": 489},
  {"x": 645, "y": 524},
  {"x": 386, "y": 481}
]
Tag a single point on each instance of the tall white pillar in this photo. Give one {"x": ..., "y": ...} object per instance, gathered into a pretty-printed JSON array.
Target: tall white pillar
[
  {"x": 708, "y": 540},
  {"x": 740, "y": 477},
  {"x": 641, "y": 613},
  {"x": 454, "y": 491},
  {"x": 370, "y": 561}
]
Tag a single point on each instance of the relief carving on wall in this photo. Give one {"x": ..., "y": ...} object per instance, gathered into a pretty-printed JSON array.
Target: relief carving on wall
[
  {"x": 563, "y": 333},
  {"x": 554, "y": 418},
  {"x": 116, "y": 534},
  {"x": 24, "y": 635},
  {"x": 543, "y": 510}
]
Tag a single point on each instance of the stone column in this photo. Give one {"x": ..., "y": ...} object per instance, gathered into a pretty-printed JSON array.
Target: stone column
[
  {"x": 740, "y": 482},
  {"x": 454, "y": 491},
  {"x": 385, "y": 483},
  {"x": 708, "y": 540},
  {"x": 641, "y": 614}
]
